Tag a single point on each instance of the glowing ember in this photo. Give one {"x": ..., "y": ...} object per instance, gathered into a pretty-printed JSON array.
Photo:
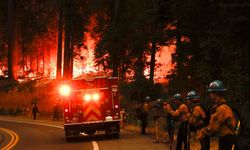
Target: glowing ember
[
  {"x": 1, "y": 73},
  {"x": 185, "y": 39},
  {"x": 31, "y": 75}
]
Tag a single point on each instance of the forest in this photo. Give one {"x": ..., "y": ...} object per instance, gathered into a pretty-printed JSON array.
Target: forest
[
  {"x": 52, "y": 38},
  {"x": 63, "y": 39}
]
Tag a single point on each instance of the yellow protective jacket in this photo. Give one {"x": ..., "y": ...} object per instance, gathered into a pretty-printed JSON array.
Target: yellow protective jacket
[
  {"x": 167, "y": 109},
  {"x": 198, "y": 116},
  {"x": 182, "y": 112},
  {"x": 145, "y": 107},
  {"x": 222, "y": 121}
]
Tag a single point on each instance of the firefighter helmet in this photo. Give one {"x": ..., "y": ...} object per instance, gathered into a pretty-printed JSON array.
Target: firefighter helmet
[
  {"x": 216, "y": 86},
  {"x": 159, "y": 101},
  {"x": 193, "y": 95},
  {"x": 177, "y": 96},
  {"x": 147, "y": 98}
]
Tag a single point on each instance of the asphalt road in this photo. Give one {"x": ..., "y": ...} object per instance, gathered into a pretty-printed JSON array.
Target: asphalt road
[
  {"x": 37, "y": 137},
  {"x": 42, "y": 137}
]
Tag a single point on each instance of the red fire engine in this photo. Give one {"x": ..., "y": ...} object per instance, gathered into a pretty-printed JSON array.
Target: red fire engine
[{"x": 91, "y": 105}]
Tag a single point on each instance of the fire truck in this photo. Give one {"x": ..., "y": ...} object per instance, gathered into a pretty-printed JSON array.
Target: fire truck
[{"x": 91, "y": 105}]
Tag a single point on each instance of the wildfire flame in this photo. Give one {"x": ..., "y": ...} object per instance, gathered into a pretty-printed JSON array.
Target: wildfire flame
[
  {"x": 163, "y": 63},
  {"x": 44, "y": 65}
]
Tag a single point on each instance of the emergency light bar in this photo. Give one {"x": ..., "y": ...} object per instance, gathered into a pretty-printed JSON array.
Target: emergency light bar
[
  {"x": 87, "y": 97},
  {"x": 94, "y": 97},
  {"x": 65, "y": 90}
]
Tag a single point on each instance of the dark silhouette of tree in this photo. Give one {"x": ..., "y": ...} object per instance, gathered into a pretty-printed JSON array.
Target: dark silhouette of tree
[
  {"x": 3, "y": 34},
  {"x": 60, "y": 36},
  {"x": 11, "y": 39}
]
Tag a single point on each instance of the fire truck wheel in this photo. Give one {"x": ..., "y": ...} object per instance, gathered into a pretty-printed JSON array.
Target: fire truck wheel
[
  {"x": 70, "y": 135},
  {"x": 116, "y": 135},
  {"x": 113, "y": 135}
]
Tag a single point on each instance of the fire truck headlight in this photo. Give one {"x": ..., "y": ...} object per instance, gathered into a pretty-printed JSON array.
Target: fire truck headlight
[
  {"x": 65, "y": 90},
  {"x": 109, "y": 118},
  {"x": 87, "y": 97},
  {"x": 96, "y": 96}
]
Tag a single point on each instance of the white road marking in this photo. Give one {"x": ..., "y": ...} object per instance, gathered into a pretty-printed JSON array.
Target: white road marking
[{"x": 94, "y": 143}]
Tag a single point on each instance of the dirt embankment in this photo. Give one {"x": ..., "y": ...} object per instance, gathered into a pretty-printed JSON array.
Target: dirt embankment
[{"x": 20, "y": 99}]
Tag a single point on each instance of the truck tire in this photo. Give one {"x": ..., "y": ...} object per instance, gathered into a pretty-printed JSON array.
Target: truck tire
[
  {"x": 69, "y": 139},
  {"x": 112, "y": 135},
  {"x": 69, "y": 136},
  {"x": 116, "y": 135},
  {"x": 113, "y": 131}
]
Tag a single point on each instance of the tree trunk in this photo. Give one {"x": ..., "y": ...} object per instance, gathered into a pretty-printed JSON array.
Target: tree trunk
[
  {"x": 115, "y": 61},
  {"x": 11, "y": 40},
  {"x": 67, "y": 42},
  {"x": 123, "y": 71},
  {"x": 24, "y": 56},
  {"x": 117, "y": 5},
  {"x": 71, "y": 59},
  {"x": 115, "y": 67},
  {"x": 59, "y": 47},
  {"x": 139, "y": 74},
  {"x": 152, "y": 62},
  {"x": 43, "y": 56},
  {"x": 178, "y": 48},
  {"x": 37, "y": 61},
  {"x": 49, "y": 66}
]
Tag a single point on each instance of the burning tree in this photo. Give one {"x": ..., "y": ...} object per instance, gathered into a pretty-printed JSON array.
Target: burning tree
[
  {"x": 3, "y": 38},
  {"x": 126, "y": 40}
]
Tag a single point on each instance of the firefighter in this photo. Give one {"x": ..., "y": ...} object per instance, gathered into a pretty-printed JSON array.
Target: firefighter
[
  {"x": 34, "y": 111},
  {"x": 222, "y": 122},
  {"x": 123, "y": 118},
  {"x": 56, "y": 111},
  {"x": 144, "y": 115},
  {"x": 198, "y": 117},
  {"x": 182, "y": 112},
  {"x": 158, "y": 112},
  {"x": 170, "y": 121}
]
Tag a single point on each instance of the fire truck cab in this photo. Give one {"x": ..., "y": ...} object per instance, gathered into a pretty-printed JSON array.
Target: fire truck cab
[{"x": 91, "y": 105}]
